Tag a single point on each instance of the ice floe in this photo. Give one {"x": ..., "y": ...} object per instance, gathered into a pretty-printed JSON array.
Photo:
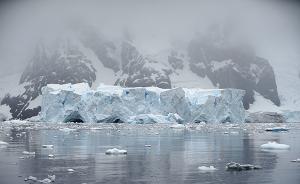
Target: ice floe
[
  {"x": 49, "y": 179},
  {"x": 70, "y": 170},
  {"x": 116, "y": 151},
  {"x": 31, "y": 178},
  {"x": 3, "y": 144},
  {"x": 233, "y": 166},
  {"x": 67, "y": 129},
  {"x": 28, "y": 153},
  {"x": 177, "y": 126},
  {"x": 276, "y": 129},
  {"x": 296, "y": 160},
  {"x": 205, "y": 168},
  {"x": 47, "y": 146},
  {"x": 274, "y": 146}
]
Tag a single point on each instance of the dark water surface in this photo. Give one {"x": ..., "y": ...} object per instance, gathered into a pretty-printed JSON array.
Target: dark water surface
[{"x": 174, "y": 155}]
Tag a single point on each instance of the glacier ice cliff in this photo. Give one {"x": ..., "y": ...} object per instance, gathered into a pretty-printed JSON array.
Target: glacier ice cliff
[{"x": 79, "y": 103}]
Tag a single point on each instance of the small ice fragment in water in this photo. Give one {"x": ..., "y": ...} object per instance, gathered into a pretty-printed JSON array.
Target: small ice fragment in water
[
  {"x": 51, "y": 177},
  {"x": 274, "y": 145},
  {"x": 50, "y": 156},
  {"x": 96, "y": 128},
  {"x": 276, "y": 129},
  {"x": 48, "y": 146},
  {"x": 45, "y": 181},
  {"x": 177, "y": 126},
  {"x": 67, "y": 129},
  {"x": 3, "y": 143},
  {"x": 28, "y": 153},
  {"x": 233, "y": 166},
  {"x": 297, "y": 160},
  {"x": 70, "y": 170},
  {"x": 147, "y": 145},
  {"x": 115, "y": 151},
  {"x": 31, "y": 178},
  {"x": 205, "y": 168}
]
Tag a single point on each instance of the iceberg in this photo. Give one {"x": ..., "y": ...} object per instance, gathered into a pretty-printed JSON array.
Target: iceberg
[{"x": 79, "y": 103}]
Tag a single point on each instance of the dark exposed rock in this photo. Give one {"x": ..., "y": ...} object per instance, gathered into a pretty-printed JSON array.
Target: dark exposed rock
[
  {"x": 59, "y": 67},
  {"x": 175, "y": 61},
  {"x": 140, "y": 71},
  {"x": 233, "y": 66}
]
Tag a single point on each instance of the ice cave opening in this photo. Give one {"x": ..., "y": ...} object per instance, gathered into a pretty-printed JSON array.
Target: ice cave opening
[{"x": 74, "y": 117}]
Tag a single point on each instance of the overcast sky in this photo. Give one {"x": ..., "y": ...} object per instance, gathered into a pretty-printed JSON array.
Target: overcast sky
[{"x": 272, "y": 26}]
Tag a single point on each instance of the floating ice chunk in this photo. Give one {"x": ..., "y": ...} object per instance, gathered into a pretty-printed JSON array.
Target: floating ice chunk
[
  {"x": 32, "y": 178},
  {"x": 115, "y": 151},
  {"x": 67, "y": 129},
  {"x": 297, "y": 160},
  {"x": 177, "y": 126},
  {"x": 276, "y": 129},
  {"x": 205, "y": 168},
  {"x": 51, "y": 177},
  {"x": 50, "y": 156},
  {"x": 275, "y": 145},
  {"x": 96, "y": 128},
  {"x": 47, "y": 146},
  {"x": 70, "y": 170},
  {"x": 45, "y": 181},
  {"x": 28, "y": 153},
  {"x": 147, "y": 145},
  {"x": 3, "y": 143},
  {"x": 233, "y": 166}
]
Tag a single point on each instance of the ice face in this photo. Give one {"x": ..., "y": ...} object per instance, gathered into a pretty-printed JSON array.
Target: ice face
[{"x": 78, "y": 103}]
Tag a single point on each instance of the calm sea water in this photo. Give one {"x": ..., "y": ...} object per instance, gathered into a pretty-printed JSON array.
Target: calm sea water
[{"x": 174, "y": 155}]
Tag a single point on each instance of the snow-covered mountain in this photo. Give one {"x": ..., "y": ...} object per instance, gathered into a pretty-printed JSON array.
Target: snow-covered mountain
[{"x": 208, "y": 61}]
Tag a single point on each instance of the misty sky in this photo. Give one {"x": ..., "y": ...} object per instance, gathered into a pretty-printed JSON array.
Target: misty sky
[{"x": 272, "y": 26}]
